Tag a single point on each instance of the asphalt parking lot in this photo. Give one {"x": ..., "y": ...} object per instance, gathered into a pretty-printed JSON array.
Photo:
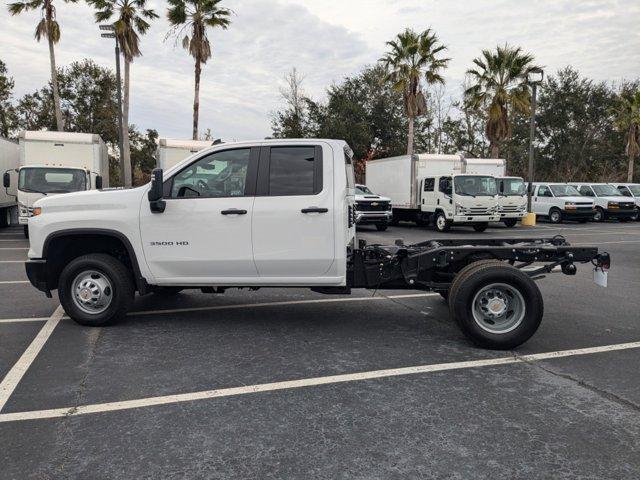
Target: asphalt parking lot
[{"x": 292, "y": 384}]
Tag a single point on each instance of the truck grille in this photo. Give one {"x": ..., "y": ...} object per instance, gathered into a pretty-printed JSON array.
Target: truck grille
[
  {"x": 627, "y": 206},
  {"x": 478, "y": 211},
  {"x": 372, "y": 206},
  {"x": 510, "y": 208}
]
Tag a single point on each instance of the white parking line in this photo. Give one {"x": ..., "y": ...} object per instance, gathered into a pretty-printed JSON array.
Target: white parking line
[
  {"x": 301, "y": 383},
  {"x": 275, "y": 304},
  {"x": 25, "y": 319},
  {"x": 11, "y": 240},
  {"x": 10, "y": 382},
  {"x": 8, "y": 282},
  {"x": 13, "y": 261}
]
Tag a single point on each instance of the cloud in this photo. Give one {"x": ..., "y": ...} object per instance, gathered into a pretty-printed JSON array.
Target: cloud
[{"x": 325, "y": 40}]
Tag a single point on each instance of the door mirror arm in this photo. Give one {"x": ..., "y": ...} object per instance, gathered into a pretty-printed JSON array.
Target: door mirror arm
[{"x": 156, "y": 203}]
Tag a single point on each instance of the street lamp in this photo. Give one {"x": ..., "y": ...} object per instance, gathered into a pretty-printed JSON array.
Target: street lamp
[
  {"x": 110, "y": 33},
  {"x": 534, "y": 79}
]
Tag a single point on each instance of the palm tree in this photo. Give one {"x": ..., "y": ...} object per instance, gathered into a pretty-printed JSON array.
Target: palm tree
[
  {"x": 411, "y": 57},
  {"x": 195, "y": 16},
  {"x": 130, "y": 22},
  {"x": 47, "y": 27},
  {"x": 500, "y": 86},
  {"x": 627, "y": 119}
]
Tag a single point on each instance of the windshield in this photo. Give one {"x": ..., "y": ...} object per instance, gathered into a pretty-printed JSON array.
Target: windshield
[
  {"x": 564, "y": 191},
  {"x": 512, "y": 186},
  {"x": 475, "y": 186},
  {"x": 362, "y": 190},
  {"x": 606, "y": 190},
  {"x": 635, "y": 189},
  {"x": 52, "y": 180}
]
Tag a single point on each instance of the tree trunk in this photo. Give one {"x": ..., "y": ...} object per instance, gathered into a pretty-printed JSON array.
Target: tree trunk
[
  {"x": 410, "y": 137},
  {"x": 494, "y": 148},
  {"x": 196, "y": 100},
  {"x": 126, "y": 148},
  {"x": 54, "y": 86},
  {"x": 632, "y": 159}
]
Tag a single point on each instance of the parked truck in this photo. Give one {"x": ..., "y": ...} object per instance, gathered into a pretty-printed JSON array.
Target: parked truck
[
  {"x": 9, "y": 160},
  {"x": 372, "y": 209},
  {"x": 171, "y": 151},
  {"x": 434, "y": 189},
  {"x": 512, "y": 198},
  {"x": 52, "y": 163},
  {"x": 275, "y": 213},
  {"x": 609, "y": 202}
]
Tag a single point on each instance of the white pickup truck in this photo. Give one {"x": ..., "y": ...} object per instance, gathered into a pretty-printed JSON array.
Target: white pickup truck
[{"x": 277, "y": 213}]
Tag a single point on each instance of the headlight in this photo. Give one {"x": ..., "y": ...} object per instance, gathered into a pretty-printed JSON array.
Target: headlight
[
  {"x": 37, "y": 211},
  {"x": 460, "y": 210},
  {"x": 570, "y": 205},
  {"x": 613, "y": 205},
  {"x": 23, "y": 209}
]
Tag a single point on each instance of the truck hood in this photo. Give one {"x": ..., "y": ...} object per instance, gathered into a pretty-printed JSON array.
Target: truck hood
[
  {"x": 91, "y": 199},
  {"x": 620, "y": 199},
  {"x": 372, "y": 198},
  {"x": 585, "y": 200}
]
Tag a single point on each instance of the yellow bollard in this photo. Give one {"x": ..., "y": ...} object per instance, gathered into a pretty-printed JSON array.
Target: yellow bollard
[{"x": 529, "y": 220}]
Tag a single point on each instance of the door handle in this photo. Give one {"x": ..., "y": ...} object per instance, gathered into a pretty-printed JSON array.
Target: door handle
[
  {"x": 314, "y": 210},
  {"x": 233, "y": 211}
]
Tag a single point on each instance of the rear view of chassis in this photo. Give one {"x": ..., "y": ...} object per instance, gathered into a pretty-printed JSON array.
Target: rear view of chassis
[{"x": 488, "y": 283}]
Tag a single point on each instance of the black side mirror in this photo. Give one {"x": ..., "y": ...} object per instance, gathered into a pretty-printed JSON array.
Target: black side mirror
[
  {"x": 99, "y": 182},
  {"x": 6, "y": 180},
  {"x": 156, "y": 203}
]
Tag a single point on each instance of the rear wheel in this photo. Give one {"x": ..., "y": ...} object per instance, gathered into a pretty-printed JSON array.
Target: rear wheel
[
  {"x": 441, "y": 222},
  {"x": 96, "y": 289},
  {"x": 496, "y": 305},
  {"x": 510, "y": 222},
  {"x": 481, "y": 227},
  {"x": 5, "y": 217},
  {"x": 555, "y": 215}
]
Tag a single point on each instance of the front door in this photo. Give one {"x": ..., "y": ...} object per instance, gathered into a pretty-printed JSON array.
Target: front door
[
  {"x": 293, "y": 213},
  {"x": 204, "y": 234},
  {"x": 542, "y": 200}
]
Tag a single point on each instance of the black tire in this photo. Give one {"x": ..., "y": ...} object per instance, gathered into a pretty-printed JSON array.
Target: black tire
[
  {"x": 5, "y": 219},
  {"x": 583, "y": 220},
  {"x": 118, "y": 275},
  {"x": 482, "y": 275},
  {"x": 26, "y": 231},
  {"x": 441, "y": 223},
  {"x": 381, "y": 227},
  {"x": 480, "y": 227},
  {"x": 167, "y": 291},
  {"x": 555, "y": 215},
  {"x": 599, "y": 216},
  {"x": 510, "y": 222}
]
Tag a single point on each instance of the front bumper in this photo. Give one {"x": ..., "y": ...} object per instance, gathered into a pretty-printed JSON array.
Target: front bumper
[
  {"x": 615, "y": 213},
  {"x": 517, "y": 215},
  {"x": 37, "y": 274},
  {"x": 577, "y": 214},
  {"x": 363, "y": 218},
  {"x": 476, "y": 218},
  {"x": 23, "y": 220}
]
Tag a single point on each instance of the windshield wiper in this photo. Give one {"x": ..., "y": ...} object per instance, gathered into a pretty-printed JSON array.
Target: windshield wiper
[
  {"x": 466, "y": 194},
  {"x": 30, "y": 190}
]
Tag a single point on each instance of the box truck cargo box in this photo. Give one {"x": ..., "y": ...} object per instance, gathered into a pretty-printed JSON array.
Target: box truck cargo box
[
  {"x": 172, "y": 151},
  {"x": 9, "y": 161}
]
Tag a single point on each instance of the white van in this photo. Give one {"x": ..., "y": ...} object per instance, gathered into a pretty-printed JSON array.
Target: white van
[
  {"x": 609, "y": 202},
  {"x": 559, "y": 201},
  {"x": 630, "y": 190}
]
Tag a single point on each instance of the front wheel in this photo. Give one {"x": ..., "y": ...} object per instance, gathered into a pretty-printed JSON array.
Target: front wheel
[
  {"x": 510, "y": 222},
  {"x": 441, "y": 223},
  {"x": 496, "y": 305},
  {"x": 555, "y": 215},
  {"x": 26, "y": 231},
  {"x": 481, "y": 227},
  {"x": 599, "y": 215},
  {"x": 96, "y": 289}
]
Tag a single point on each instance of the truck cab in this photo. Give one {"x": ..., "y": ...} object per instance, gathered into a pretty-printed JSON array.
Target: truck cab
[
  {"x": 459, "y": 199},
  {"x": 609, "y": 202},
  {"x": 631, "y": 191},
  {"x": 372, "y": 209},
  {"x": 512, "y": 199},
  {"x": 559, "y": 202}
]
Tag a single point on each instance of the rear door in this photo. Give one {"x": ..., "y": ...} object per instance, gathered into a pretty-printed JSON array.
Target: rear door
[
  {"x": 204, "y": 234},
  {"x": 293, "y": 213}
]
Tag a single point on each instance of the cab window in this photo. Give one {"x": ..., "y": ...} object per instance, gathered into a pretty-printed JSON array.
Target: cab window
[
  {"x": 218, "y": 175},
  {"x": 624, "y": 191},
  {"x": 544, "y": 191},
  {"x": 295, "y": 171},
  {"x": 429, "y": 184},
  {"x": 586, "y": 191},
  {"x": 445, "y": 185}
]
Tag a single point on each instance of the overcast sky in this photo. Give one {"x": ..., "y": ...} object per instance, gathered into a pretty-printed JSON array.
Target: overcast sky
[{"x": 325, "y": 40}]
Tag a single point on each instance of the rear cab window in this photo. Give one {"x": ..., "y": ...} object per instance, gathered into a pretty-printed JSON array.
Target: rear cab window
[{"x": 291, "y": 170}]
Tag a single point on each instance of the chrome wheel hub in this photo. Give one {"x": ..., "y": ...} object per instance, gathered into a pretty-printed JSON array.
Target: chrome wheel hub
[
  {"x": 498, "y": 308},
  {"x": 92, "y": 292}
]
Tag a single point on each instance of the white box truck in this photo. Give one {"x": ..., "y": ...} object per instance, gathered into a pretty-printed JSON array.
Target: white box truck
[
  {"x": 426, "y": 188},
  {"x": 275, "y": 213},
  {"x": 52, "y": 163},
  {"x": 9, "y": 160},
  {"x": 172, "y": 151},
  {"x": 512, "y": 195}
]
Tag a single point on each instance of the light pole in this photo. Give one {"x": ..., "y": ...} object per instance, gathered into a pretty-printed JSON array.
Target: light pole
[
  {"x": 535, "y": 79},
  {"x": 110, "y": 33}
]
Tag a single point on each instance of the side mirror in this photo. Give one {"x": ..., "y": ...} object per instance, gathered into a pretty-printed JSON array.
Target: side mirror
[
  {"x": 6, "y": 180},
  {"x": 99, "y": 182},
  {"x": 156, "y": 203}
]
